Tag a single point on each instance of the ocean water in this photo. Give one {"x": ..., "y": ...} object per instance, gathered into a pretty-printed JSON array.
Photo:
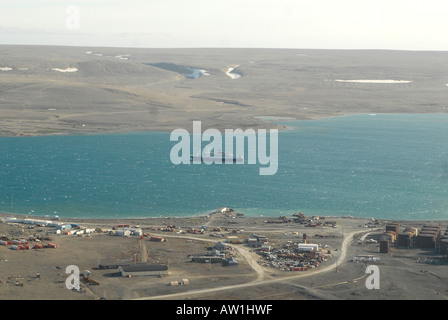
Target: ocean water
[{"x": 383, "y": 166}]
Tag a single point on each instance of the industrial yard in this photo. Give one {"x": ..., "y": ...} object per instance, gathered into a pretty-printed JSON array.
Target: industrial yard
[{"x": 223, "y": 255}]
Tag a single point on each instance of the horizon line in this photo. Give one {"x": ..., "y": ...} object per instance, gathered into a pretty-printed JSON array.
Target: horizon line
[{"x": 221, "y": 48}]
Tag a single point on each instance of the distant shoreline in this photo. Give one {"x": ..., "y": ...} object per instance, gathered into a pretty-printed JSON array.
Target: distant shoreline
[
  {"x": 109, "y": 94},
  {"x": 202, "y": 216},
  {"x": 272, "y": 122}
]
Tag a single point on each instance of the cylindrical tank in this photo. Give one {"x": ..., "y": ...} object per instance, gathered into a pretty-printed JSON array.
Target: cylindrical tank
[
  {"x": 392, "y": 226},
  {"x": 426, "y": 241},
  {"x": 384, "y": 246},
  {"x": 428, "y": 232},
  {"x": 404, "y": 239},
  {"x": 443, "y": 246},
  {"x": 388, "y": 236},
  {"x": 412, "y": 230},
  {"x": 436, "y": 230},
  {"x": 393, "y": 234},
  {"x": 431, "y": 226}
]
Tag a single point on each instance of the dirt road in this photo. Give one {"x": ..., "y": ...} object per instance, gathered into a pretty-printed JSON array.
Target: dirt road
[{"x": 261, "y": 278}]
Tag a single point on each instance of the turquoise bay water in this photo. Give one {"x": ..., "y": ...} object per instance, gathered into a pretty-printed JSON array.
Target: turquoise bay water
[{"x": 383, "y": 166}]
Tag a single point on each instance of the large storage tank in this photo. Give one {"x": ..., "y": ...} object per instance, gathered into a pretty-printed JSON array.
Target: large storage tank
[
  {"x": 431, "y": 232},
  {"x": 431, "y": 226},
  {"x": 413, "y": 230},
  {"x": 384, "y": 246},
  {"x": 405, "y": 239},
  {"x": 395, "y": 227},
  {"x": 426, "y": 240},
  {"x": 435, "y": 230},
  {"x": 443, "y": 246},
  {"x": 388, "y": 236}
]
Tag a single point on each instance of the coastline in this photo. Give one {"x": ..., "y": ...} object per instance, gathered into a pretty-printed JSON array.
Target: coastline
[
  {"x": 204, "y": 218},
  {"x": 340, "y": 240},
  {"x": 263, "y": 122},
  {"x": 247, "y": 211}
]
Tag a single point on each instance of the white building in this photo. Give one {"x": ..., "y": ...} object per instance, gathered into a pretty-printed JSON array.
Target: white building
[
  {"x": 308, "y": 247},
  {"x": 134, "y": 231},
  {"x": 35, "y": 221},
  {"x": 122, "y": 233}
]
